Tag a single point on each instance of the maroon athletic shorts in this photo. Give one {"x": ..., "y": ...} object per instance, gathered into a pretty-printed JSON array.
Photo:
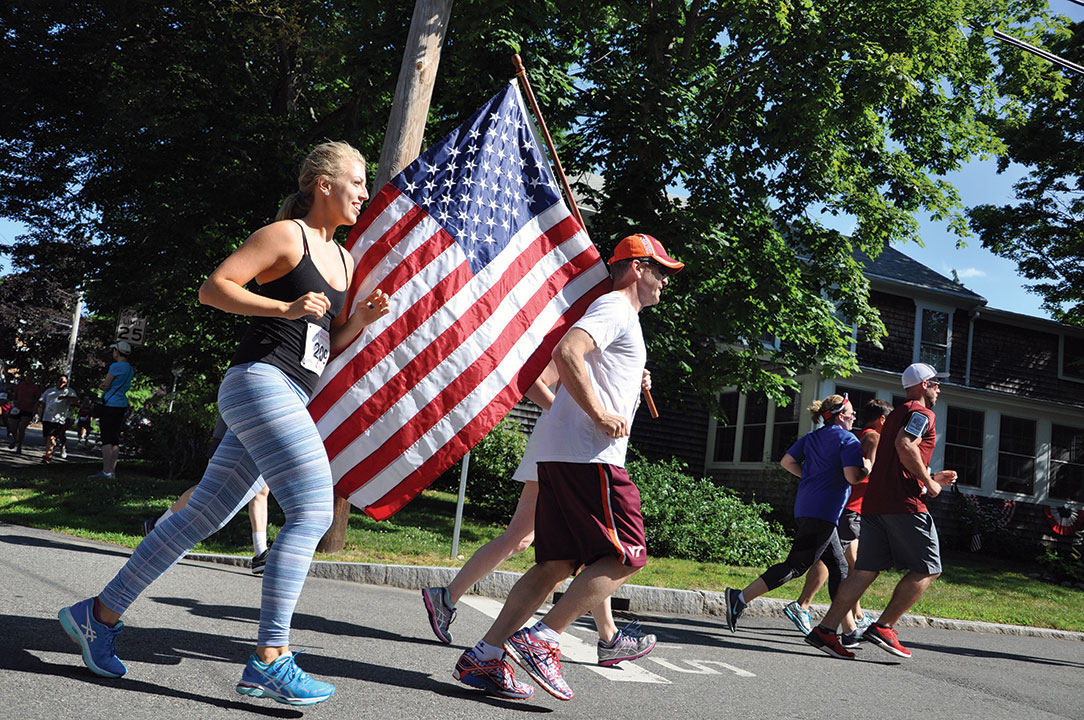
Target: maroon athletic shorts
[{"x": 587, "y": 511}]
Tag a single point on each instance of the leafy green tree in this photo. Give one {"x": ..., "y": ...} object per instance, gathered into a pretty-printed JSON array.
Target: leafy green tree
[
  {"x": 145, "y": 142},
  {"x": 1043, "y": 232}
]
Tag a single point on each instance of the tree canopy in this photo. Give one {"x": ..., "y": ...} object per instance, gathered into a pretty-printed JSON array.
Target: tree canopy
[
  {"x": 143, "y": 143},
  {"x": 1043, "y": 232}
]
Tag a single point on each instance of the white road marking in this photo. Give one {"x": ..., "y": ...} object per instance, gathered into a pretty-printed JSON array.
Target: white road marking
[
  {"x": 575, "y": 649},
  {"x": 700, "y": 667}
]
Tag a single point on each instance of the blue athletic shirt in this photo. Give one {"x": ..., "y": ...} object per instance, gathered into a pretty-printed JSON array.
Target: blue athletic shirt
[
  {"x": 117, "y": 394},
  {"x": 823, "y": 453}
]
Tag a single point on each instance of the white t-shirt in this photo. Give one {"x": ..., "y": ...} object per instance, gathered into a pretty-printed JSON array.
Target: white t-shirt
[
  {"x": 57, "y": 403},
  {"x": 615, "y": 369}
]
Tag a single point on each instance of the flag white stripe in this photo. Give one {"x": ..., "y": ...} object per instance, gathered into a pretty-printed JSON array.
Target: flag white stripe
[
  {"x": 472, "y": 346},
  {"x": 418, "y": 287},
  {"x": 439, "y": 435}
]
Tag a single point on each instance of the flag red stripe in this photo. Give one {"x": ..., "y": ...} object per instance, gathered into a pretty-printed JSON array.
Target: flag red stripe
[
  {"x": 375, "y": 208},
  {"x": 469, "y": 378},
  {"x": 409, "y": 321},
  {"x": 412, "y": 485},
  {"x": 441, "y": 346},
  {"x": 379, "y": 250}
]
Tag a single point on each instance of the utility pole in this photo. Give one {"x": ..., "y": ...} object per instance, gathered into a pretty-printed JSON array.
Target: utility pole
[
  {"x": 402, "y": 144},
  {"x": 74, "y": 335}
]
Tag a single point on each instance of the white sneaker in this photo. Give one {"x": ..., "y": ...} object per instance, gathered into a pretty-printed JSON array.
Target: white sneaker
[{"x": 64, "y": 453}]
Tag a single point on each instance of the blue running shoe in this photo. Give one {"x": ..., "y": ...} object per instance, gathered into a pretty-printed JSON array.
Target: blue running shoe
[
  {"x": 495, "y": 677},
  {"x": 801, "y": 618},
  {"x": 283, "y": 681},
  {"x": 98, "y": 641}
]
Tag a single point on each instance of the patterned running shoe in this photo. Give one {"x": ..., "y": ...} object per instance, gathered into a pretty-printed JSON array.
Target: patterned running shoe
[
  {"x": 97, "y": 640},
  {"x": 441, "y": 612},
  {"x": 541, "y": 660},
  {"x": 495, "y": 677},
  {"x": 734, "y": 607},
  {"x": 628, "y": 644},
  {"x": 887, "y": 639},
  {"x": 828, "y": 642},
  {"x": 259, "y": 562},
  {"x": 283, "y": 681},
  {"x": 801, "y": 618}
]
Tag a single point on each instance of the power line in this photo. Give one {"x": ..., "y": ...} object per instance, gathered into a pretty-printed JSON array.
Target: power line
[{"x": 1028, "y": 47}]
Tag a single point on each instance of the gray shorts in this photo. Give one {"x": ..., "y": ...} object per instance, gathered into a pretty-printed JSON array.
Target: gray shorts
[
  {"x": 850, "y": 527},
  {"x": 903, "y": 541}
]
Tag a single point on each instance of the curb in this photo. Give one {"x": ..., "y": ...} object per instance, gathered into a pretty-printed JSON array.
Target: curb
[{"x": 642, "y": 598}]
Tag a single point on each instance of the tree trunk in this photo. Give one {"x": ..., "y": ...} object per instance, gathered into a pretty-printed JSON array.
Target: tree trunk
[{"x": 402, "y": 144}]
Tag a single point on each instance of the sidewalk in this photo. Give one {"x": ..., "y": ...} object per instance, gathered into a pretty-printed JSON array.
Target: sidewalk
[
  {"x": 34, "y": 448},
  {"x": 642, "y": 598}
]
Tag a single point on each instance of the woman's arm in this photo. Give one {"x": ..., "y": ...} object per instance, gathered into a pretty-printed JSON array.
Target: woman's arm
[{"x": 267, "y": 254}]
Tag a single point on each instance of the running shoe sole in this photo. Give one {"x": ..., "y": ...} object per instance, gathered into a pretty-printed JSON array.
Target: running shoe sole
[
  {"x": 489, "y": 687},
  {"x": 259, "y": 691}
]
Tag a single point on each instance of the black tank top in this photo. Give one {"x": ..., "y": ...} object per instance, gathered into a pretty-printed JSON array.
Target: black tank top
[{"x": 281, "y": 342}]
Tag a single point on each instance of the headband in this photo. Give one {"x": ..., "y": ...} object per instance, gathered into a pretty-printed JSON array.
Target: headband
[{"x": 827, "y": 414}]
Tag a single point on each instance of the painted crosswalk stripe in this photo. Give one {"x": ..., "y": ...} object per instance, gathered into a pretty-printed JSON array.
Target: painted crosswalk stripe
[{"x": 575, "y": 649}]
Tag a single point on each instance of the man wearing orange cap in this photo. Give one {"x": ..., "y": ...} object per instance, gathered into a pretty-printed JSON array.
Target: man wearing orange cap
[{"x": 588, "y": 512}]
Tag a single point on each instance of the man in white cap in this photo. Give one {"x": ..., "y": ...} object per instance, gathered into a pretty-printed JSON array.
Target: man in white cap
[{"x": 897, "y": 529}]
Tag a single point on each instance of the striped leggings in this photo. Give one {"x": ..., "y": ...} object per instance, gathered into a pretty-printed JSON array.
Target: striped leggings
[{"x": 272, "y": 439}]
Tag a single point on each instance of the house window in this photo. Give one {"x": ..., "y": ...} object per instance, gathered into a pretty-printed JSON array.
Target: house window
[
  {"x": 754, "y": 426},
  {"x": 1016, "y": 455},
  {"x": 859, "y": 399},
  {"x": 963, "y": 445},
  {"x": 1066, "y": 463},
  {"x": 755, "y": 423},
  {"x": 726, "y": 436},
  {"x": 785, "y": 428},
  {"x": 1072, "y": 358},
  {"x": 934, "y": 339}
]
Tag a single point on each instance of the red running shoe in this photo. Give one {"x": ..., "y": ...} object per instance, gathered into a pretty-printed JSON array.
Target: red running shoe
[
  {"x": 887, "y": 639},
  {"x": 496, "y": 677},
  {"x": 828, "y": 642}
]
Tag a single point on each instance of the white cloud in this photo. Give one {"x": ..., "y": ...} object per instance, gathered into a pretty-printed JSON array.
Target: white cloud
[{"x": 970, "y": 273}]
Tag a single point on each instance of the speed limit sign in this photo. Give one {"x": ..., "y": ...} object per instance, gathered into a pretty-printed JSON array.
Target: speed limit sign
[{"x": 131, "y": 327}]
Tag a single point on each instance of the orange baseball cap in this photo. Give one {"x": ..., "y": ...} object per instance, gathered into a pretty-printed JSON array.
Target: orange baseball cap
[{"x": 643, "y": 246}]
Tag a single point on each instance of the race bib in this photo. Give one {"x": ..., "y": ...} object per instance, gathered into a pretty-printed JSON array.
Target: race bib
[{"x": 317, "y": 349}]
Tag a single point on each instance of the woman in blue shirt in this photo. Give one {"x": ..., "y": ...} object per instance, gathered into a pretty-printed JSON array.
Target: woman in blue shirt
[
  {"x": 828, "y": 460},
  {"x": 114, "y": 406}
]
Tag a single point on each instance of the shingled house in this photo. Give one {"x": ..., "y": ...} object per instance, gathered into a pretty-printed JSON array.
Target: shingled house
[{"x": 1010, "y": 418}]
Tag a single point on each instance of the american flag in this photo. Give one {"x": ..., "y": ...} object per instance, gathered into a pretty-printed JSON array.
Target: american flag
[{"x": 486, "y": 269}]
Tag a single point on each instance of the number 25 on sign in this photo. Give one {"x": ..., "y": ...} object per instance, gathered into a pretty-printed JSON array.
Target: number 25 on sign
[{"x": 131, "y": 327}]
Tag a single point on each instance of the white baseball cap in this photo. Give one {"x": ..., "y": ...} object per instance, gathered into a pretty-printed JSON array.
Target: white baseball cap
[
  {"x": 122, "y": 346},
  {"x": 916, "y": 373}
]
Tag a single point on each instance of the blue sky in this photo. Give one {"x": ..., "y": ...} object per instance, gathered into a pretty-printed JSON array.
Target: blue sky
[{"x": 980, "y": 270}]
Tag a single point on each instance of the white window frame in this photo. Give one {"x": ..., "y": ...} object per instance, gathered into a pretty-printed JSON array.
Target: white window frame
[
  {"x": 1061, "y": 362},
  {"x": 739, "y": 434},
  {"x": 916, "y": 350}
]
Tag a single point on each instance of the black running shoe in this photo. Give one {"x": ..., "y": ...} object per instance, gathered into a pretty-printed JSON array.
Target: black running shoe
[{"x": 734, "y": 608}]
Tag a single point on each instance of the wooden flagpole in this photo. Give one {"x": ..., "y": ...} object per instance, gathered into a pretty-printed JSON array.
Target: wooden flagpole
[{"x": 521, "y": 73}]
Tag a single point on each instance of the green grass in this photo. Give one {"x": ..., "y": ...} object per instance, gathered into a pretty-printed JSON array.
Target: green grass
[{"x": 60, "y": 498}]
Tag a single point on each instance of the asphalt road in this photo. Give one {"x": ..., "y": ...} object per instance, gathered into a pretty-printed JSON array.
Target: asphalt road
[{"x": 188, "y": 636}]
